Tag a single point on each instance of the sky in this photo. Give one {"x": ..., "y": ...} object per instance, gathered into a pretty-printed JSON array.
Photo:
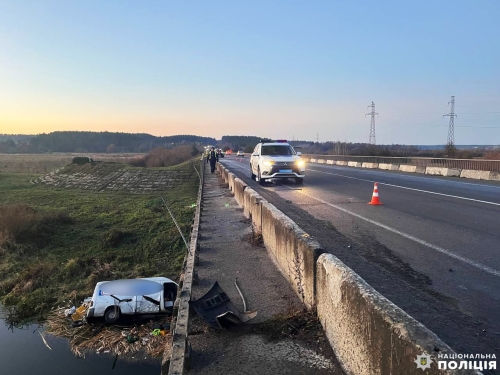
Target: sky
[{"x": 279, "y": 69}]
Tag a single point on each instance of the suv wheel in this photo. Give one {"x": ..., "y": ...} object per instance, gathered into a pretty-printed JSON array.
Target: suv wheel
[
  {"x": 252, "y": 175},
  {"x": 299, "y": 180},
  {"x": 261, "y": 180}
]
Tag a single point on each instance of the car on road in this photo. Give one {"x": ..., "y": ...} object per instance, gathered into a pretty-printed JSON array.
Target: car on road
[
  {"x": 276, "y": 159},
  {"x": 220, "y": 153},
  {"x": 240, "y": 153},
  {"x": 229, "y": 152}
]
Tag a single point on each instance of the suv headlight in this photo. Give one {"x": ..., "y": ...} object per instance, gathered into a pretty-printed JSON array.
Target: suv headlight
[
  {"x": 268, "y": 163},
  {"x": 300, "y": 163}
]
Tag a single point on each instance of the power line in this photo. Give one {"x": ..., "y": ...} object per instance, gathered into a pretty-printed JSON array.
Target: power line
[
  {"x": 438, "y": 113},
  {"x": 372, "y": 124},
  {"x": 451, "y": 128}
]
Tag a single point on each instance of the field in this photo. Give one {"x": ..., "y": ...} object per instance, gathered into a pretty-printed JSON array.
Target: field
[
  {"x": 57, "y": 241},
  {"x": 45, "y": 163}
]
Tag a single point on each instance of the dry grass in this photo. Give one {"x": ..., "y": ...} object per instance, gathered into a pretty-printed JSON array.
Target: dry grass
[
  {"x": 492, "y": 155},
  {"x": 13, "y": 218},
  {"x": 101, "y": 338},
  {"x": 45, "y": 163},
  {"x": 162, "y": 157}
]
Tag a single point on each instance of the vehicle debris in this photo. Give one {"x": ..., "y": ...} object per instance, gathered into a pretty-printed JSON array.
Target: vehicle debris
[{"x": 216, "y": 309}]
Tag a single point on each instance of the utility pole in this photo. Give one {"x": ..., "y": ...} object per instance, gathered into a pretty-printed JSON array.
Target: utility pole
[
  {"x": 317, "y": 138},
  {"x": 372, "y": 125},
  {"x": 450, "y": 145}
]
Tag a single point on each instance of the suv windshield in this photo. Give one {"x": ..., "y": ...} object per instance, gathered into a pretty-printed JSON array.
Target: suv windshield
[{"x": 277, "y": 150}]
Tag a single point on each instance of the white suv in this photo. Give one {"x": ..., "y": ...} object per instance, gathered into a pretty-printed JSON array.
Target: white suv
[{"x": 276, "y": 160}]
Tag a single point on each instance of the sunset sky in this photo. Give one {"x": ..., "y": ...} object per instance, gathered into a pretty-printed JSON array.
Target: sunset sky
[{"x": 268, "y": 68}]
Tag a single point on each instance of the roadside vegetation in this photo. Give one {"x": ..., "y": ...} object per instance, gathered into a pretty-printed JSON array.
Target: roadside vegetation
[
  {"x": 55, "y": 243},
  {"x": 162, "y": 157}
]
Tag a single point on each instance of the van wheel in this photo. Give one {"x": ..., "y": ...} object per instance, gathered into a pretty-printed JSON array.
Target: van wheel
[
  {"x": 112, "y": 314},
  {"x": 299, "y": 180}
]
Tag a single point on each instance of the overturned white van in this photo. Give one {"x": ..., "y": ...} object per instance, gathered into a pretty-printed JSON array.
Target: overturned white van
[{"x": 133, "y": 299}]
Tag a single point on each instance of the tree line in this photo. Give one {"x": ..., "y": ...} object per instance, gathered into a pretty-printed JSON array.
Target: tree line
[{"x": 95, "y": 142}]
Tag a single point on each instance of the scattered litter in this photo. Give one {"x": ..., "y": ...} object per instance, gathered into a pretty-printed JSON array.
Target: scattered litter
[
  {"x": 305, "y": 235},
  {"x": 155, "y": 332},
  {"x": 226, "y": 205},
  {"x": 131, "y": 339},
  {"x": 44, "y": 341},
  {"x": 125, "y": 341},
  {"x": 70, "y": 311}
]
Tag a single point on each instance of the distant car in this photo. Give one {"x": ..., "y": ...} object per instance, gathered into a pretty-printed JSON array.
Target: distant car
[
  {"x": 240, "y": 153},
  {"x": 276, "y": 160},
  {"x": 220, "y": 153},
  {"x": 229, "y": 152}
]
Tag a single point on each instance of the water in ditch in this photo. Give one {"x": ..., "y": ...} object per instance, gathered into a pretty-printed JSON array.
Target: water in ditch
[{"x": 22, "y": 352}]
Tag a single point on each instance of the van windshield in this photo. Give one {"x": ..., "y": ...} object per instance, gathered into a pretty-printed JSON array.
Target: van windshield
[{"x": 278, "y": 150}]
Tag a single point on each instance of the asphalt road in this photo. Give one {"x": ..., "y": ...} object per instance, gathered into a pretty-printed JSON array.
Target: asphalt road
[{"x": 433, "y": 247}]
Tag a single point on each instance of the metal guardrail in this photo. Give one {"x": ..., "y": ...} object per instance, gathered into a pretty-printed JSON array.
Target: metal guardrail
[{"x": 471, "y": 164}]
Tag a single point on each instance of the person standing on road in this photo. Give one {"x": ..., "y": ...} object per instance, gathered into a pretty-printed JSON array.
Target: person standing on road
[{"x": 212, "y": 158}]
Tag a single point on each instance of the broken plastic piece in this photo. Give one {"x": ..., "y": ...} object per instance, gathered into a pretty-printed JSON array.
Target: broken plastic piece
[{"x": 216, "y": 309}]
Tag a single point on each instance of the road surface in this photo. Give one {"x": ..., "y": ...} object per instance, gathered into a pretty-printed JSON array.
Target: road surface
[{"x": 432, "y": 248}]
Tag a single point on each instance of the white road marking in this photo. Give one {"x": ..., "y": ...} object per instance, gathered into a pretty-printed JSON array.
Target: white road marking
[
  {"x": 408, "y": 188},
  {"x": 470, "y": 262},
  {"x": 439, "y": 249}
]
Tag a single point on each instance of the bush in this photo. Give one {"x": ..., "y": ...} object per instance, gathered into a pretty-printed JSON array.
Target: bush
[
  {"x": 492, "y": 155},
  {"x": 80, "y": 160},
  {"x": 113, "y": 237},
  {"x": 162, "y": 157},
  {"x": 22, "y": 228}
]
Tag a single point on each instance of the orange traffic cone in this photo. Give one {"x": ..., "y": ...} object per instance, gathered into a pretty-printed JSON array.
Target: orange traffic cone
[{"x": 375, "y": 201}]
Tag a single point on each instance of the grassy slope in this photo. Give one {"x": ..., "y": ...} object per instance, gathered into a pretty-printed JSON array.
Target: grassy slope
[{"x": 111, "y": 235}]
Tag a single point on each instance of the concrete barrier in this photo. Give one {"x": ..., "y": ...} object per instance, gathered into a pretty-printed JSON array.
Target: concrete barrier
[
  {"x": 292, "y": 250},
  {"x": 411, "y": 168},
  {"x": 369, "y": 334},
  {"x": 494, "y": 176},
  {"x": 313, "y": 160},
  {"x": 341, "y": 162},
  {"x": 330, "y": 162},
  {"x": 438, "y": 171},
  {"x": 230, "y": 181},
  {"x": 321, "y": 161},
  {"x": 239, "y": 191},
  {"x": 247, "y": 195},
  {"x": 370, "y": 165},
  {"x": 356, "y": 164},
  {"x": 389, "y": 167},
  {"x": 477, "y": 175},
  {"x": 255, "y": 209},
  {"x": 177, "y": 348},
  {"x": 226, "y": 175}
]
